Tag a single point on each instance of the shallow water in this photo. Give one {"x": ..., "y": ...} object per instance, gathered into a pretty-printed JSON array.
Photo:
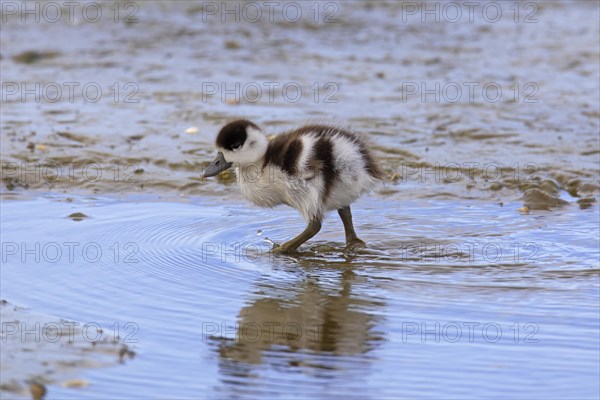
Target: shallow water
[
  {"x": 481, "y": 274},
  {"x": 430, "y": 307}
]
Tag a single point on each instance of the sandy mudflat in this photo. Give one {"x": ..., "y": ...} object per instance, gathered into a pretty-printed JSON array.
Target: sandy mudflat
[{"x": 51, "y": 351}]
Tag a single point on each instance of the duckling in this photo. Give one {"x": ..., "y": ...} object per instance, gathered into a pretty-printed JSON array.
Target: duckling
[{"x": 314, "y": 169}]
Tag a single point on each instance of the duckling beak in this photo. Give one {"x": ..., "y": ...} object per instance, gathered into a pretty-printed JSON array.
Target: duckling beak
[{"x": 219, "y": 164}]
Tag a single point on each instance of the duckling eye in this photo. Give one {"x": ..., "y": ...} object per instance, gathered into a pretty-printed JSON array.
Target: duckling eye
[{"x": 236, "y": 146}]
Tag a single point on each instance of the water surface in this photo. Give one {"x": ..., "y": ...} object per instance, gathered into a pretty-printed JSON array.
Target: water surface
[{"x": 436, "y": 306}]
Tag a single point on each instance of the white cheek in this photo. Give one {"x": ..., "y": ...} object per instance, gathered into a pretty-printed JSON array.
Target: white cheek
[
  {"x": 228, "y": 155},
  {"x": 248, "y": 155},
  {"x": 241, "y": 156},
  {"x": 256, "y": 143}
]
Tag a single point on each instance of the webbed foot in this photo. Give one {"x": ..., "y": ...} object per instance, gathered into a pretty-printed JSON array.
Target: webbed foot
[
  {"x": 281, "y": 249},
  {"x": 355, "y": 243}
]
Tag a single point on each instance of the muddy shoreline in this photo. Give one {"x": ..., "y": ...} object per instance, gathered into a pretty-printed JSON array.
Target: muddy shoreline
[
  {"x": 153, "y": 132},
  {"x": 42, "y": 352}
]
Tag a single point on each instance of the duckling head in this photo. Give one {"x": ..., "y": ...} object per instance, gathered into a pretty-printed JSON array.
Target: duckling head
[{"x": 240, "y": 142}]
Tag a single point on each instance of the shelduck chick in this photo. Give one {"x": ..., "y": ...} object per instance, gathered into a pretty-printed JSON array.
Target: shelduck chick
[{"x": 313, "y": 169}]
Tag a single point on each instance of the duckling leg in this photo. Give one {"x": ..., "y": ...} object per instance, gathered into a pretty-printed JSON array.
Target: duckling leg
[
  {"x": 351, "y": 239},
  {"x": 311, "y": 230}
]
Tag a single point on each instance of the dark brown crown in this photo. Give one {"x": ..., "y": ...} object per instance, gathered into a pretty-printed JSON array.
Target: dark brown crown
[{"x": 233, "y": 135}]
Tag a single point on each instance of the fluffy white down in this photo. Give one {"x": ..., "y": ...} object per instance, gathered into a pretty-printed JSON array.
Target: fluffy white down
[{"x": 353, "y": 179}]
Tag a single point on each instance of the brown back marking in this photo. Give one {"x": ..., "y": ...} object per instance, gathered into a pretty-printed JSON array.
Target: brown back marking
[{"x": 285, "y": 149}]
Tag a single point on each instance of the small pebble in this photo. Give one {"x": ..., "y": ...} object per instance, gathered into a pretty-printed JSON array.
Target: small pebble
[
  {"x": 232, "y": 44},
  {"x": 37, "y": 390},
  {"x": 78, "y": 216},
  {"x": 76, "y": 383},
  {"x": 124, "y": 352},
  {"x": 496, "y": 186}
]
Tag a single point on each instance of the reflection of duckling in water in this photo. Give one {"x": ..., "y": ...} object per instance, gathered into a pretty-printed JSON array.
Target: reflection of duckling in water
[
  {"x": 313, "y": 169},
  {"x": 303, "y": 316}
]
